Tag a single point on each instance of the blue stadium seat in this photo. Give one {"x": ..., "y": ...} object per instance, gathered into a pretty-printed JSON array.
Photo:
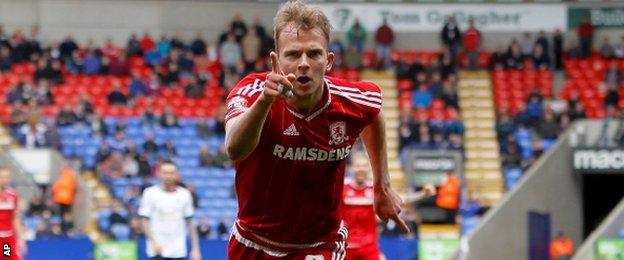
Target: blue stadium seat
[{"x": 512, "y": 176}]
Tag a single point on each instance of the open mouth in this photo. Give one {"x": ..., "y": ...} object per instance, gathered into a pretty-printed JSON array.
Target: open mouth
[{"x": 303, "y": 79}]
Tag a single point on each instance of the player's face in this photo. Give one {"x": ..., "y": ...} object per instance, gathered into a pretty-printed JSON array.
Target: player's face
[
  {"x": 360, "y": 168},
  {"x": 5, "y": 178},
  {"x": 168, "y": 174},
  {"x": 304, "y": 54}
]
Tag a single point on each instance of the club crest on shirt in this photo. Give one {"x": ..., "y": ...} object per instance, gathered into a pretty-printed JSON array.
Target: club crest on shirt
[
  {"x": 338, "y": 133},
  {"x": 237, "y": 103}
]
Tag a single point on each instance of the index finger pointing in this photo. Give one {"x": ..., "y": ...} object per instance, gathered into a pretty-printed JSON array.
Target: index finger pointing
[
  {"x": 401, "y": 223},
  {"x": 275, "y": 67}
]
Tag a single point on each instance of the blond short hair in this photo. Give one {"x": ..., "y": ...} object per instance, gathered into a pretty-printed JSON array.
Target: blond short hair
[{"x": 303, "y": 16}]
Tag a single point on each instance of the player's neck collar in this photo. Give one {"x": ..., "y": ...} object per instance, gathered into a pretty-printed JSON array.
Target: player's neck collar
[{"x": 325, "y": 98}]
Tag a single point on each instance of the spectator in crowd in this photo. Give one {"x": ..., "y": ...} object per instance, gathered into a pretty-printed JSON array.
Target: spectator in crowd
[
  {"x": 68, "y": 46},
  {"x": 193, "y": 88},
  {"x": 239, "y": 28},
  {"x": 130, "y": 165},
  {"x": 203, "y": 229},
  {"x": 604, "y": 139},
  {"x": 612, "y": 98},
  {"x": 558, "y": 48},
  {"x": 511, "y": 157},
  {"x": 66, "y": 116},
  {"x": 577, "y": 112},
  {"x": 613, "y": 75},
  {"x": 116, "y": 97},
  {"x": 222, "y": 228},
  {"x": 230, "y": 53},
  {"x": 515, "y": 58},
  {"x": 168, "y": 118},
  {"x": 606, "y": 49},
  {"x": 542, "y": 40},
  {"x": 42, "y": 93},
  {"x": 422, "y": 98},
  {"x": 540, "y": 58},
  {"x": 471, "y": 43},
  {"x": 136, "y": 231},
  {"x": 92, "y": 63},
  {"x": 205, "y": 156},
  {"x": 384, "y": 37},
  {"x": 561, "y": 247},
  {"x": 137, "y": 86},
  {"x": 449, "y": 95},
  {"x": 147, "y": 43},
  {"x": 203, "y": 129},
  {"x": 448, "y": 197},
  {"x": 52, "y": 136},
  {"x": 498, "y": 59},
  {"x": 504, "y": 126},
  {"x": 103, "y": 152},
  {"x": 618, "y": 48},
  {"x": 548, "y": 127},
  {"x": 352, "y": 58},
  {"x": 169, "y": 151},
  {"x": 145, "y": 169},
  {"x": 527, "y": 44},
  {"x": 32, "y": 134},
  {"x": 198, "y": 46},
  {"x": 357, "y": 36},
  {"x": 119, "y": 65},
  {"x": 150, "y": 146},
  {"x": 585, "y": 32},
  {"x": 64, "y": 189},
  {"x": 6, "y": 61},
  {"x": 67, "y": 223},
  {"x": 118, "y": 142},
  {"x": 251, "y": 45},
  {"x": 338, "y": 47},
  {"x": 451, "y": 36},
  {"x": 407, "y": 136},
  {"x": 221, "y": 159}
]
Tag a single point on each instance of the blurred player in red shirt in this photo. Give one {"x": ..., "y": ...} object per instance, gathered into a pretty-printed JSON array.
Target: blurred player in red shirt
[
  {"x": 359, "y": 214},
  {"x": 290, "y": 132},
  {"x": 10, "y": 222}
]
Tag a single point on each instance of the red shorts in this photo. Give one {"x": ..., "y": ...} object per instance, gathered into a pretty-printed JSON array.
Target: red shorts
[
  {"x": 8, "y": 247},
  {"x": 238, "y": 250},
  {"x": 367, "y": 252}
]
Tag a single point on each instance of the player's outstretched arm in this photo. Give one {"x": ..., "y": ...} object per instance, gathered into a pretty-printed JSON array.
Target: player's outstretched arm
[
  {"x": 19, "y": 235},
  {"x": 387, "y": 202},
  {"x": 242, "y": 133}
]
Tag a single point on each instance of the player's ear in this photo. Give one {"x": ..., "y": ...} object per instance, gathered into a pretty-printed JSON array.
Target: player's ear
[{"x": 330, "y": 61}]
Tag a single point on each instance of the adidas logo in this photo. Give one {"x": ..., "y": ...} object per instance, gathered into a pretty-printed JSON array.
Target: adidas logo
[{"x": 291, "y": 131}]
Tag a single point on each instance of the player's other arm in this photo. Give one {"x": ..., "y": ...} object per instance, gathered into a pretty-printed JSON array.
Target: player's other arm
[
  {"x": 242, "y": 133},
  {"x": 387, "y": 202},
  {"x": 195, "y": 252},
  {"x": 149, "y": 235}
]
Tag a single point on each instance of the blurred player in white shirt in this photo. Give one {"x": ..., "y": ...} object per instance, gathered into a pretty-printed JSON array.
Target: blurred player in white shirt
[{"x": 167, "y": 211}]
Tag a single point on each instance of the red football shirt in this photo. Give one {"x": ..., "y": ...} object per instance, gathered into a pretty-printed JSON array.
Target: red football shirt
[
  {"x": 8, "y": 209},
  {"x": 359, "y": 215},
  {"x": 290, "y": 187}
]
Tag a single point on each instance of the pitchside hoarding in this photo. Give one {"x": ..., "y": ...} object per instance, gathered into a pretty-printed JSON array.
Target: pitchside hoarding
[
  {"x": 599, "y": 160},
  {"x": 431, "y": 17},
  {"x": 426, "y": 166}
]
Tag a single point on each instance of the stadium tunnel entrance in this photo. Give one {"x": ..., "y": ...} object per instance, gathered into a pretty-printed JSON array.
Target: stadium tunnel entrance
[{"x": 601, "y": 193}]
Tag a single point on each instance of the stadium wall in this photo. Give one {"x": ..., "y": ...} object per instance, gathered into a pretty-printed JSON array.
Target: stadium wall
[
  {"x": 549, "y": 187},
  {"x": 98, "y": 19}
]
